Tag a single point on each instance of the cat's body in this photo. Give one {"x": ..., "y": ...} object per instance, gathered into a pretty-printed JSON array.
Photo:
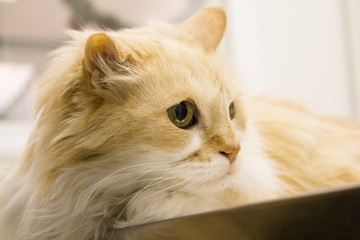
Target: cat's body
[{"x": 107, "y": 151}]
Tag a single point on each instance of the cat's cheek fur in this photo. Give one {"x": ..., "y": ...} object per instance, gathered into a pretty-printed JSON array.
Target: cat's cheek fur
[
  {"x": 257, "y": 178},
  {"x": 199, "y": 187},
  {"x": 251, "y": 177}
]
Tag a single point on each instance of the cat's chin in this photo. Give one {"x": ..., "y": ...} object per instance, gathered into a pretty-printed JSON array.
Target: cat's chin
[{"x": 221, "y": 181}]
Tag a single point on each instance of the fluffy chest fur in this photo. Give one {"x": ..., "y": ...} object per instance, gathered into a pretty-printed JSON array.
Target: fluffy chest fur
[{"x": 146, "y": 124}]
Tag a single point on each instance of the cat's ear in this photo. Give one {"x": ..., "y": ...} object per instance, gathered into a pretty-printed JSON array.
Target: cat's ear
[
  {"x": 208, "y": 27},
  {"x": 101, "y": 57}
]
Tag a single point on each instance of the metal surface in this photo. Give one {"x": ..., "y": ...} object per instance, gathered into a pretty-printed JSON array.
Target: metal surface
[{"x": 326, "y": 215}]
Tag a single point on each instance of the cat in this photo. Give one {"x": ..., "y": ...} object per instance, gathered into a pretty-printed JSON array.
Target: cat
[{"x": 150, "y": 123}]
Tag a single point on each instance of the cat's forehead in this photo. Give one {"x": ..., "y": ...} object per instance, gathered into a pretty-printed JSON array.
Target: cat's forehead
[
  {"x": 175, "y": 70},
  {"x": 194, "y": 74}
]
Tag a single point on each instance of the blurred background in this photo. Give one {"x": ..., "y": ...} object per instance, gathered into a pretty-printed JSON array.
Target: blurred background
[{"x": 303, "y": 50}]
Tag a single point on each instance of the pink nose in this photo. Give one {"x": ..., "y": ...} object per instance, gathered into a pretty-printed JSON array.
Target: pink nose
[{"x": 231, "y": 152}]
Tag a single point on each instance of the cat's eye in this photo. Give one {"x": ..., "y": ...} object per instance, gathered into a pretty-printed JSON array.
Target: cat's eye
[
  {"x": 182, "y": 114},
  {"x": 231, "y": 110}
]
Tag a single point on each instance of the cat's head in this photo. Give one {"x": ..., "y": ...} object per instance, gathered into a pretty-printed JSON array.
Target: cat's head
[{"x": 145, "y": 107}]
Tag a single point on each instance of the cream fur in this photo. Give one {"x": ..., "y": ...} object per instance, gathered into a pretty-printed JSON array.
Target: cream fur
[{"x": 104, "y": 153}]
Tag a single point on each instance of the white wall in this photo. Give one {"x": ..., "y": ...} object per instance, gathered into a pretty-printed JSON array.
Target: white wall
[
  {"x": 299, "y": 50},
  {"x": 351, "y": 9},
  {"x": 13, "y": 139}
]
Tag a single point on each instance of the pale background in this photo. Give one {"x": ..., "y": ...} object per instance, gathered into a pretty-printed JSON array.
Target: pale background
[{"x": 302, "y": 50}]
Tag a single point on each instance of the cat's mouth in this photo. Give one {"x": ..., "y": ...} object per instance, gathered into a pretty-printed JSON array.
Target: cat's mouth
[
  {"x": 203, "y": 167},
  {"x": 219, "y": 176}
]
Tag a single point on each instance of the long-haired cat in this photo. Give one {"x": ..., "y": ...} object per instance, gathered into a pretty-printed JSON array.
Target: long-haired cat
[{"x": 150, "y": 123}]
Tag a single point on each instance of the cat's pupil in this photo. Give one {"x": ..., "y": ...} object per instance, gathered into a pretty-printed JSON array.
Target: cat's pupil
[
  {"x": 181, "y": 111},
  {"x": 231, "y": 110}
]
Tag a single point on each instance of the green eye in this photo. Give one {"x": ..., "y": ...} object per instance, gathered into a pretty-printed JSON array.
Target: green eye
[
  {"x": 231, "y": 110},
  {"x": 182, "y": 115}
]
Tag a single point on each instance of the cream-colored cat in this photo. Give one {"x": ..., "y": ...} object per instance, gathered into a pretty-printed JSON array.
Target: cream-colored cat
[{"x": 149, "y": 123}]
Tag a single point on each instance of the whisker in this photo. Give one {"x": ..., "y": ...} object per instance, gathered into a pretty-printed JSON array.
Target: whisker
[
  {"x": 135, "y": 194},
  {"x": 182, "y": 188},
  {"x": 117, "y": 177},
  {"x": 162, "y": 190},
  {"x": 134, "y": 197},
  {"x": 152, "y": 183},
  {"x": 103, "y": 180}
]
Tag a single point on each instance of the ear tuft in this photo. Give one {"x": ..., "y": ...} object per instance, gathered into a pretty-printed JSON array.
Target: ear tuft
[
  {"x": 99, "y": 49},
  {"x": 208, "y": 27}
]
